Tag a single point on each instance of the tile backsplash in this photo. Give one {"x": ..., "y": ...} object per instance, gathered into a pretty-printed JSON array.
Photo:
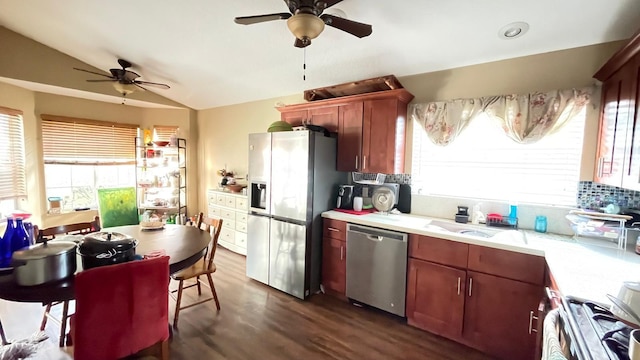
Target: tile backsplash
[{"x": 594, "y": 196}]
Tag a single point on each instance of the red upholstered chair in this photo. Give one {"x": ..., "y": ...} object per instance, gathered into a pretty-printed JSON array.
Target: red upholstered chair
[{"x": 122, "y": 309}]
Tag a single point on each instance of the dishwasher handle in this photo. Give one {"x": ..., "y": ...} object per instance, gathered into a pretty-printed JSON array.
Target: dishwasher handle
[{"x": 375, "y": 234}]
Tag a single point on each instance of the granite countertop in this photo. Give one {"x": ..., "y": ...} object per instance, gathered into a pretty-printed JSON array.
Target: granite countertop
[{"x": 584, "y": 268}]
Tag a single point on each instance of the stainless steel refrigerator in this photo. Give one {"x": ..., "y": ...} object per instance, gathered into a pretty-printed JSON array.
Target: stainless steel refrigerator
[{"x": 292, "y": 180}]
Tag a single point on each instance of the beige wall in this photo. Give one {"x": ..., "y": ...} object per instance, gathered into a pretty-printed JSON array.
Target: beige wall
[
  {"x": 34, "y": 104},
  {"x": 224, "y": 130},
  {"x": 223, "y": 138}
]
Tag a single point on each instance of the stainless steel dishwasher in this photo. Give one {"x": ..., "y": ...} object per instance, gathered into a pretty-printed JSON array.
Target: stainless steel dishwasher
[{"x": 377, "y": 267}]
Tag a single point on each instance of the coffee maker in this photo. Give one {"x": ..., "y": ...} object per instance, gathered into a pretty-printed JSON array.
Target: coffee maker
[{"x": 345, "y": 197}]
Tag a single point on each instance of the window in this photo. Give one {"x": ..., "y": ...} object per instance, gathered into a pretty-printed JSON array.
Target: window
[
  {"x": 484, "y": 163},
  {"x": 163, "y": 133},
  {"x": 13, "y": 183},
  {"x": 82, "y": 155}
]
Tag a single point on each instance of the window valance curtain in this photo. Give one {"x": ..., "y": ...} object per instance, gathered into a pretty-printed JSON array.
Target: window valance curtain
[
  {"x": 444, "y": 120},
  {"x": 530, "y": 117},
  {"x": 524, "y": 118}
]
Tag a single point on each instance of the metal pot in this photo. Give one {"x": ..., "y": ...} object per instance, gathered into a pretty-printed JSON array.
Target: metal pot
[
  {"x": 106, "y": 248},
  {"x": 45, "y": 262}
]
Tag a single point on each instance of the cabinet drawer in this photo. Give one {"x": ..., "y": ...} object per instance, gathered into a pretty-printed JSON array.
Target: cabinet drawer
[
  {"x": 230, "y": 201},
  {"x": 227, "y": 235},
  {"x": 241, "y": 203},
  {"x": 334, "y": 229},
  {"x": 241, "y": 239},
  {"x": 214, "y": 211},
  {"x": 439, "y": 251},
  {"x": 241, "y": 226},
  {"x": 241, "y": 216},
  {"x": 229, "y": 224},
  {"x": 211, "y": 199},
  {"x": 220, "y": 199},
  {"x": 227, "y": 215},
  {"x": 508, "y": 264}
]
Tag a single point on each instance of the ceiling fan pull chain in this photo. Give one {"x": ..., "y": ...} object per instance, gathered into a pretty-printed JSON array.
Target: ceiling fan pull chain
[{"x": 304, "y": 64}]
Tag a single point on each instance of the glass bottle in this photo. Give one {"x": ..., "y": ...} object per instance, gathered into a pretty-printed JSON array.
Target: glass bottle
[
  {"x": 28, "y": 226},
  {"x": 6, "y": 250},
  {"x": 5, "y": 253},
  {"x": 19, "y": 239}
]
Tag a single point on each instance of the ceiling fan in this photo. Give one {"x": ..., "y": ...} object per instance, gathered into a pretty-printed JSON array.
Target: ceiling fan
[
  {"x": 306, "y": 20},
  {"x": 124, "y": 81}
]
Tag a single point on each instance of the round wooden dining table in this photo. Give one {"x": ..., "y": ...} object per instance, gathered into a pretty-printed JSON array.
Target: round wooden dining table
[{"x": 184, "y": 245}]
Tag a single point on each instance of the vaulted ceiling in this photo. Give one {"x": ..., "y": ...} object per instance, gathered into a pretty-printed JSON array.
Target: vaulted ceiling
[{"x": 209, "y": 61}]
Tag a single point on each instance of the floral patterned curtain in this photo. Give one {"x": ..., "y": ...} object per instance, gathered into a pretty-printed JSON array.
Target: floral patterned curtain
[
  {"x": 444, "y": 120},
  {"x": 528, "y": 118}
]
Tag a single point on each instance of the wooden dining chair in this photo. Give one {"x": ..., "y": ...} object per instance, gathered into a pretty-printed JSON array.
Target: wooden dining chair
[
  {"x": 50, "y": 234},
  {"x": 203, "y": 268},
  {"x": 122, "y": 310}
]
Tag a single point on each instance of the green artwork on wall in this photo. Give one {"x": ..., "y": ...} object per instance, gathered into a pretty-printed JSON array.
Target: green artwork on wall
[{"x": 118, "y": 206}]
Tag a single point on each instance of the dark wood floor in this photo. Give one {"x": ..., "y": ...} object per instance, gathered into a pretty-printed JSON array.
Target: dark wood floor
[{"x": 257, "y": 322}]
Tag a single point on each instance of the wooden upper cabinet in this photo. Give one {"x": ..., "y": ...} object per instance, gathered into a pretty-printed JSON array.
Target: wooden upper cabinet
[
  {"x": 614, "y": 122},
  {"x": 371, "y": 128},
  {"x": 326, "y": 117},
  {"x": 294, "y": 117},
  {"x": 631, "y": 177},
  {"x": 350, "y": 137},
  {"x": 618, "y": 152},
  {"x": 383, "y": 136}
]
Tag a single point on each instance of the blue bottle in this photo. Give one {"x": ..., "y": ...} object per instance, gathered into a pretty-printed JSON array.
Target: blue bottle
[
  {"x": 5, "y": 251},
  {"x": 19, "y": 239},
  {"x": 6, "y": 248}
]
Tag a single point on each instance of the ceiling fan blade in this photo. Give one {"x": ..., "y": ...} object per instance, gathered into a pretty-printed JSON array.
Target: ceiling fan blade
[
  {"x": 136, "y": 84},
  {"x": 148, "y": 83},
  {"x": 301, "y": 44},
  {"x": 93, "y": 72},
  {"x": 248, "y": 20},
  {"x": 352, "y": 27},
  {"x": 112, "y": 80},
  {"x": 329, "y": 3}
]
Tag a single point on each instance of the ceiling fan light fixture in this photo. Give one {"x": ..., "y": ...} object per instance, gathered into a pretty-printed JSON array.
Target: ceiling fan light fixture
[
  {"x": 305, "y": 26},
  {"x": 124, "y": 89}
]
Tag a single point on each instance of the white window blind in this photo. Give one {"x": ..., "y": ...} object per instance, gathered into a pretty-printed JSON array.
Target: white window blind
[
  {"x": 12, "y": 156},
  {"x": 72, "y": 141},
  {"x": 163, "y": 133},
  {"x": 484, "y": 163}
]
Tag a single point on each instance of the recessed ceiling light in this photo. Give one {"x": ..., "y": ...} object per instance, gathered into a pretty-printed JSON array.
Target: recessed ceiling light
[{"x": 513, "y": 30}]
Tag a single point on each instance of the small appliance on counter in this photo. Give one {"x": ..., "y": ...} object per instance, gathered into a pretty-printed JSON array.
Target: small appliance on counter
[
  {"x": 462, "y": 216},
  {"x": 345, "y": 197}
]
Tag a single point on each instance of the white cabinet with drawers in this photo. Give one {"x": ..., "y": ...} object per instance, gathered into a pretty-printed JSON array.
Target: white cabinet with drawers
[{"x": 232, "y": 208}]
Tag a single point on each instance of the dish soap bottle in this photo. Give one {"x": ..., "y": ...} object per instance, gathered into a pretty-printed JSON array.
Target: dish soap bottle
[{"x": 513, "y": 213}]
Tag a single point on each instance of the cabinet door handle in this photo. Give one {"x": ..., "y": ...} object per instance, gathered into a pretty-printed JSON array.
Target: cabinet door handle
[
  {"x": 531, "y": 317},
  {"x": 364, "y": 162},
  {"x": 356, "y": 162},
  {"x": 458, "y": 285},
  {"x": 341, "y": 252},
  {"x": 600, "y": 166},
  {"x": 470, "y": 286},
  {"x": 333, "y": 229}
]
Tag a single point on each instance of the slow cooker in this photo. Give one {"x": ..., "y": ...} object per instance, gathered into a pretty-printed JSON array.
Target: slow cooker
[{"x": 106, "y": 248}]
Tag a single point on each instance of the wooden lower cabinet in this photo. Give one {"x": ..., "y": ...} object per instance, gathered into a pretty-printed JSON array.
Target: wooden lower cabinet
[
  {"x": 334, "y": 265},
  {"x": 435, "y": 297},
  {"x": 500, "y": 316}
]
